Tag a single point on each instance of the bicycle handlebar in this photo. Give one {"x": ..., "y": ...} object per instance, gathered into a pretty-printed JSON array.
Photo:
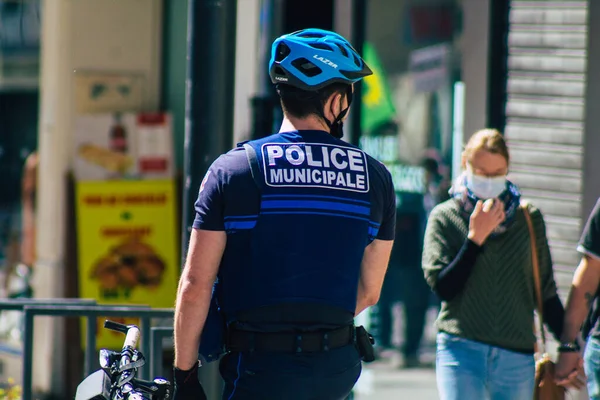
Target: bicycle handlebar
[
  {"x": 132, "y": 332},
  {"x": 116, "y": 379},
  {"x": 132, "y": 336}
]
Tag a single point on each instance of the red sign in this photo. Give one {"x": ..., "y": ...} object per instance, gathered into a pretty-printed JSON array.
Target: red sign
[{"x": 430, "y": 24}]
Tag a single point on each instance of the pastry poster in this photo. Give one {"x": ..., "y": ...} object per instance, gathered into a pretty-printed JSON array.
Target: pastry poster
[{"x": 128, "y": 247}]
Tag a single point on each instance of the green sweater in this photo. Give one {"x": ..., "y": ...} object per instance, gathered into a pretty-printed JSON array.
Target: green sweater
[{"x": 497, "y": 303}]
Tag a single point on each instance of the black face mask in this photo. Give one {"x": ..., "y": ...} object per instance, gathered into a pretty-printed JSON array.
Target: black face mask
[{"x": 336, "y": 128}]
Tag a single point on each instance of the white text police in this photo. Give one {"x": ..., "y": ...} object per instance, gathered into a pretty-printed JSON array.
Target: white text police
[{"x": 315, "y": 165}]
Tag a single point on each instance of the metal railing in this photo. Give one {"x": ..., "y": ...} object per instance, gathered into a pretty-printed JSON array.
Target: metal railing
[
  {"x": 89, "y": 309},
  {"x": 157, "y": 335},
  {"x": 151, "y": 343}
]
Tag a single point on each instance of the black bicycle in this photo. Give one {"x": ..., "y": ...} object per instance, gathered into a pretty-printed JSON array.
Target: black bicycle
[{"x": 116, "y": 380}]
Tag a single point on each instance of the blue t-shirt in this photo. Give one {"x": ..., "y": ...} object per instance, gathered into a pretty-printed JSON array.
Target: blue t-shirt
[
  {"x": 228, "y": 189},
  {"x": 589, "y": 244}
]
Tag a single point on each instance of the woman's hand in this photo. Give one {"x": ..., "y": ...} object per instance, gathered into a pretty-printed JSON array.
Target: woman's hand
[{"x": 485, "y": 218}]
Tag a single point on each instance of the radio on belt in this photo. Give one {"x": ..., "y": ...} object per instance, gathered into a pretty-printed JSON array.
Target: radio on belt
[{"x": 315, "y": 165}]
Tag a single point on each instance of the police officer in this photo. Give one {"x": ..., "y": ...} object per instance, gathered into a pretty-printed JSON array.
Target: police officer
[{"x": 296, "y": 229}]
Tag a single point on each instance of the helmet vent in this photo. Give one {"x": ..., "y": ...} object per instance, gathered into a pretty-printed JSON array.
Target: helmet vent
[
  {"x": 306, "y": 67},
  {"x": 310, "y": 35},
  {"x": 279, "y": 71},
  {"x": 321, "y": 46},
  {"x": 342, "y": 49},
  {"x": 282, "y": 52},
  {"x": 357, "y": 61}
]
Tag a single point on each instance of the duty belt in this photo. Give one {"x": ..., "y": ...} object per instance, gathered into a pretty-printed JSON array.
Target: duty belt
[{"x": 290, "y": 342}]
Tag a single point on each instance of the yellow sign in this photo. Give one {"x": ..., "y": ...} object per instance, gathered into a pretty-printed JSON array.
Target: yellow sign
[{"x": 127, "y": 245}]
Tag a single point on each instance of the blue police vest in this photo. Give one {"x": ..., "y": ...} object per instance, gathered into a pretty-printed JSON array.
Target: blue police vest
[{"x": 306, "y": 243}]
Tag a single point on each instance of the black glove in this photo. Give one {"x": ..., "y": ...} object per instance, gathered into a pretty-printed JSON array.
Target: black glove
[{"x": 187, "y": 386}]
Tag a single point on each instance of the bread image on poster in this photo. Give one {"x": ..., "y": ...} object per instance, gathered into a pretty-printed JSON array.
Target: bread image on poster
[
  {"x": 129, "y": 265},
  {"x": 110, "y": 160}
]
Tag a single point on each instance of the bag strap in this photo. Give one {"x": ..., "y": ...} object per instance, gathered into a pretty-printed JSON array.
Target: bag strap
[
  {"x": 253, "y": 162},
  {"x": 536, "y": 272}
]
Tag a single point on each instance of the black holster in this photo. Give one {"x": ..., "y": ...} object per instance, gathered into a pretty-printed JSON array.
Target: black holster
[{"x": 364, "y": 343}]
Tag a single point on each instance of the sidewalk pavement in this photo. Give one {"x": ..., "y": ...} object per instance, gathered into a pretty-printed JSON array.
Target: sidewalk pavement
[{"x": 383, "y": 381}]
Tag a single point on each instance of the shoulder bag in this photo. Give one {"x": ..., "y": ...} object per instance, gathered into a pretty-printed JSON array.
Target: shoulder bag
[{"x": 545, "y": 388}]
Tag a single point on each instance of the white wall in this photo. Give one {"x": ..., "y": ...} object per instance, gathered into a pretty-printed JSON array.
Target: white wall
[
  {"x": 120, "y": 35},
  {"x": 108, "y": 35},
  {"x": 246, "y": 69},
  {"x": 475, "y": 46}
]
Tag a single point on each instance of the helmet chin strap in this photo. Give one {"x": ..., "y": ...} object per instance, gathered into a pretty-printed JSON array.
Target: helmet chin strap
[{"x": 336, "y": 128}]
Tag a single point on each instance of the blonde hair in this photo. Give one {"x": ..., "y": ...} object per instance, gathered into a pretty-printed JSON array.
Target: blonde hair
[{"x": 490, "y": 140}]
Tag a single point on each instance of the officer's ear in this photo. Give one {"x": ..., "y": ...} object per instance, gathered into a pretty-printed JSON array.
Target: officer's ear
[
  {"x": 328, "y": 109},
  {"x": 335, "y": 105}
]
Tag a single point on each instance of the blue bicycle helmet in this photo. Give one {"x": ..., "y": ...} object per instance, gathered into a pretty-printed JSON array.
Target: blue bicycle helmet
[{"x": 311, "y": 59}]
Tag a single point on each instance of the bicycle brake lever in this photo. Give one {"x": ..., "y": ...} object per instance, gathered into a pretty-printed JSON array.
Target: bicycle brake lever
[{"x": 108, "y": 358}]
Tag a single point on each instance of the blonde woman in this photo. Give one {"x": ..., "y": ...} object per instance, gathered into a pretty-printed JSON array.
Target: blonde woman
[{"x": 477, "y": 258}]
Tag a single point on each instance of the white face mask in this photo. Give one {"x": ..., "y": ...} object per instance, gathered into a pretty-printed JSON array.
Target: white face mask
[{"x": 484, "y": 187}]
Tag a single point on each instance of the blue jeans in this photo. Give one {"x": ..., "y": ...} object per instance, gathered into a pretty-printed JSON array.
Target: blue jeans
[
  {"x": 468, "y": 370},
  {"x": 327, "y": 375},
  {"x": 591, "y": 358}
]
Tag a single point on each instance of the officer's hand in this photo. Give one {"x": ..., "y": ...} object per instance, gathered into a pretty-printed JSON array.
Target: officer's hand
[{"x": 187, "y": 386}]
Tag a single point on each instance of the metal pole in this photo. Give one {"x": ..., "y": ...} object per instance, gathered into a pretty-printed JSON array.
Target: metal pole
[
  {"x": 209, "y": 112},
  {"x": 91, "y": 357},
  {"x": 27, "y": 355},
  {"x": 209, "y": 96},
  {"x": 359, "y": 25},
  {"x": 157, "y": 335},
  {"x": 263, "y": 104},
  {"x": 155, "y": 355},
  {"x": 145, "y": 345}
]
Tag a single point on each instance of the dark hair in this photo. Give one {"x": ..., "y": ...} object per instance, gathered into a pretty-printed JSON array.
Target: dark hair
[
  {"x": 431, "y": 165},
  {"x": 300, "y": 103},
  {"x": 387, "y": 127}
]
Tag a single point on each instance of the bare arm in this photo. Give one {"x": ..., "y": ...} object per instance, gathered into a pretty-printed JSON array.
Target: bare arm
[
  {"x": 28, "y": 192},
  {"x": 372, "y": 272},
  {"x": 194, "y": 293},
  {"x": 583, "y": 289}
]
